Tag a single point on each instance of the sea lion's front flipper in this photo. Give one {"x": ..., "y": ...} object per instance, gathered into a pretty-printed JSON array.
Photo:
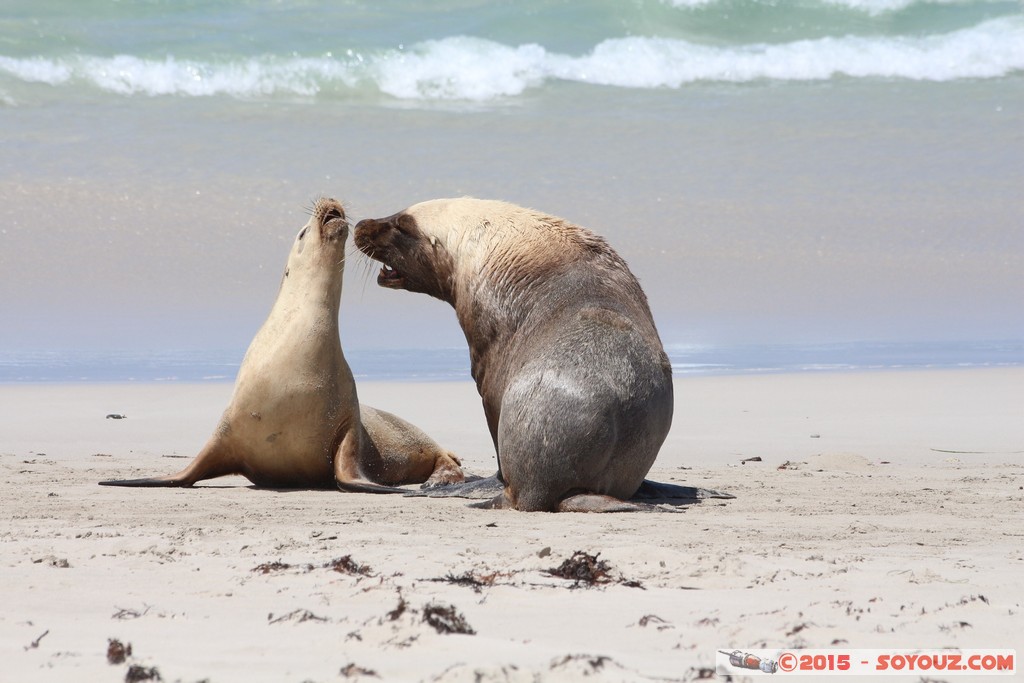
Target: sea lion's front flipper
[
  {"x": 170, "y": 481},
  {"x": 474, "y": 487},
  {"x": 651, "y": 491},
  {"x": 215, "y": 460},
  {"x": 365, "y": 486}
]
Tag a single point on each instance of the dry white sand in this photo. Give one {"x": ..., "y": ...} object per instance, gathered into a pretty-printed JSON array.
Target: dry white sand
[{"x": 897, "y": 523}]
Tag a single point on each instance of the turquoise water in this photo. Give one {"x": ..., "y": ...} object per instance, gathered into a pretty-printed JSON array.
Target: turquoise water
[
  {"x": 478, "y": 51},
  {"x": 779, "y": 175}
]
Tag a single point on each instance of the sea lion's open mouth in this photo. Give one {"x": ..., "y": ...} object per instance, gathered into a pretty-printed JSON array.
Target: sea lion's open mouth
[
  {"x": 389, "y": 277},
  {"x": 333, "y": 213},
  {"x": 330, "y": 216}
]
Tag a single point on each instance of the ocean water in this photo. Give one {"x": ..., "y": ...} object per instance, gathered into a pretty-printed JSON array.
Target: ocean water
[
  {"x": 783, "y": 177},
  {"x": 481, "y": 51},
  {"x": 452, "y": 365}
]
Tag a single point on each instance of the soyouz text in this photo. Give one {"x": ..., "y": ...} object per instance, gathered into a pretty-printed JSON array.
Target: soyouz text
[{"x": 866, "y": 662}]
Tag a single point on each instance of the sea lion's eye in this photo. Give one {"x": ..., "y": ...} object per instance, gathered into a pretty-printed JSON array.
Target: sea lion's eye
[
  {"x": 303, "y": 233},
  {"x": 406, "y": 224}
]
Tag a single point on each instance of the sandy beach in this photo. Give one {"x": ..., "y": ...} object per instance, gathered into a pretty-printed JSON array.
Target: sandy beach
[
  {"x": 821, "y": 200},
  {"x": 884, "y": 512}
]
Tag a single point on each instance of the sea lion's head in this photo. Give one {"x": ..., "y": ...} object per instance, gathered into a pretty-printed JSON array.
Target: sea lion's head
[
  {"x": 417, "y": 248},
  {"x": 321, "y": 241},
  {"x": 443, "y": 245}
]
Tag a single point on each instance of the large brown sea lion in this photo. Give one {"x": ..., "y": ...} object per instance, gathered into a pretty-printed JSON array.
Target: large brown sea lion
[
  {"x": 576, "y": 386},
  {"x": 294, "y": 420}
]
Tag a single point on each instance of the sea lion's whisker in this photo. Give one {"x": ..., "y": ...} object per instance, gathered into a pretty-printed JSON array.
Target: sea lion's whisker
[{"x": 365, "y": 265}]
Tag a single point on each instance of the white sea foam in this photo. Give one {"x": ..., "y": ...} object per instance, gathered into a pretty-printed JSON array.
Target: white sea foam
[
  {"x": 690, "y": 3},
  {"x": 989, "y": 50},
  {"x": 871, "y": 7},
  {"x": 460, "y": 68},
  {"x": 36, "y": 69},
  {"x": 878, "y": 7},
  {"x": 130, "y": 75},
  {"x": 464, "y": 68}
]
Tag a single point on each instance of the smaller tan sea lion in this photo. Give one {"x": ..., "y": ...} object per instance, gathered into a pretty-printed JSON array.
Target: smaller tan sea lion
[{"x": 294, "y": 419}]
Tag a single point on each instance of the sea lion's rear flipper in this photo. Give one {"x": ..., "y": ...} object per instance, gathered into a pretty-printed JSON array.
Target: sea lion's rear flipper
[
  {"x": 499, "y": 502},
  {"x": 474, "y": 487},
  {"x": 447, "y": 471},
  {"x": 652, "y": 496},
  {"x": 652, "y": 491},
  {"x": 594, "y": 502},
  {"x": 581, "y": 502}
]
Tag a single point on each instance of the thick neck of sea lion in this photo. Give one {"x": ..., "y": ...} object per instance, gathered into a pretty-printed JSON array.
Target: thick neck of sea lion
[
  {"x": 317, "y": 285},
  {"x": 492, "y": 309}
]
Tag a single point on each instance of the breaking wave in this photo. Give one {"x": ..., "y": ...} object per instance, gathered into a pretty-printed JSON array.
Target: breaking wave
[{"x": 476, "y": 69}]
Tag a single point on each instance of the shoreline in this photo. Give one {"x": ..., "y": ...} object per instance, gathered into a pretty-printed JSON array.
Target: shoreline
[{"x": 452, "y": 364}]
